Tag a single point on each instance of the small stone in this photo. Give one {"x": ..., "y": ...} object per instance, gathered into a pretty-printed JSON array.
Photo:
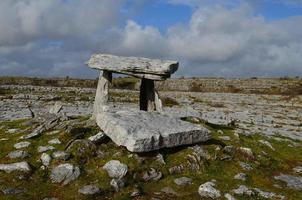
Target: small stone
[
  {"x": 298, "y": 169},
  {"x": 240, "y": 176},
  {"x": 117, "y": 184},
  {"x": 268, "y": 195},
  {"x": 22, "y": 145},
  {"x": 89, "y": 190},
  {"x": 207, "y": 190},
  {"x": 20, "y": 166},
  {"x": 160, "y": 159},
  {"x": 246, "y": 151},
  {"x": 18, "y": 154},
  {"x": 116, "y": 169},
  {"x": 220, "y": 132},
  {"x": 183, "y": 181},
  {"x": 225, "y": 138},
  {"x": 152, "y": 175},
  {"x": 54, "y": 141},
  {"x": 61, "y": 155},
  {"x": 243, "y": 190},
  {"x": 245, "y": 166},
  {"x": 294, "y": 182},
  {"x": 42, "y": 149},
  {"x": 97, "y": 138},
  {"x": 169, "y": 191},
  {"x": 266, "y": 143},
  {"x": 135, "y": 193},
  {"x": 45, "y": 159},
  {"x": 12, "y": 131},
  {"x": 8, "y": 191},
  {"x": 229, "y": 196},
  {"x": 65, "y": 173}
]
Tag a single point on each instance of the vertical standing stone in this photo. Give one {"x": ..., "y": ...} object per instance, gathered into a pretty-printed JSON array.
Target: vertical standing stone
[
  {"x": 102, "y": 91},
  {"x": 158, "y": 103},
  {"x": 147, "y": 95}
]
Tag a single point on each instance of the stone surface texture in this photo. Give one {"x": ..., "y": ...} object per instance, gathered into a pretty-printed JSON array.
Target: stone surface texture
[
  {"x": 153, "y": 69},
  {"x": 64, "y": 173},
  {"x": 20, "y": 166},
  {"x": 116, "y": 169},
  {"x": 207, "y": 190}
]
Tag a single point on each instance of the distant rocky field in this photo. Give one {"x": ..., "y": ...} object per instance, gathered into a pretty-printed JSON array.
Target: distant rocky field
[{"x": 50, "y": 148}]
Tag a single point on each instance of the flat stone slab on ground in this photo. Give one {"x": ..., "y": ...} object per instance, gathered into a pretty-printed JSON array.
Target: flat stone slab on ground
[{"x": 141, "y": 131}]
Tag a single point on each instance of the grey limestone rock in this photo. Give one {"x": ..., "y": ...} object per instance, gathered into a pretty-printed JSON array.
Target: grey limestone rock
[
  {"x": 152, "y": 175},
  {"x": 229, "y": 196},
  {"x": 117, "y": 184},
  {"x": 207, "y": 190},
  {"x": 153, "y": 69},
  {"x": 97, "y": 138},
  {"x": 65, "y": 173},
  {"x": 89, "y": 190},
  {"x": 240, "y": 176},
  {"x": 61, "y": 155},
  {"x": 22, "y": 145},
  {"x": 183, "y": 181},
  {"x": 298, "y": 169},
  {"x": 45, "y": 159},
  {"x": 18, "y": 154},
  {"x": 20, "y": 166},
  {"x": 42, "y": 149},
  {"x": 116, "y": 169},
  {"x": 243, "y": 190},
  {"x": 294, "y": 182},
  {"x": 141, "y": 131},
  {"x": 54, "y": 141}
]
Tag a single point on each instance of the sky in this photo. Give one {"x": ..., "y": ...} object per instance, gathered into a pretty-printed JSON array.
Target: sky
[{"x": 209, "y": 38}]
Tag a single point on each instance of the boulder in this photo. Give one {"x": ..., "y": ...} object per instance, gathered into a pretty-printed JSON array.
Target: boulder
[
  {"x": 65, "y": 173},
  {"x": 294, "y": 182}
]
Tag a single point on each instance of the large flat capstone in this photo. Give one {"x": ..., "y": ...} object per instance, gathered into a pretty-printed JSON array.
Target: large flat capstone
[
  {"x": 141, "y": 131},
  {"x": 153, "y": 69}
]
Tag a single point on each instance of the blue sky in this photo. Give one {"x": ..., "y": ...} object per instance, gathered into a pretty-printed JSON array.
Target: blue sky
[{"x": 220, "y": 38}]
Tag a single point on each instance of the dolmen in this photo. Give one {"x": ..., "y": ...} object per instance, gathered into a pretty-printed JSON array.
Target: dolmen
[{"x": 150, "y": 127}]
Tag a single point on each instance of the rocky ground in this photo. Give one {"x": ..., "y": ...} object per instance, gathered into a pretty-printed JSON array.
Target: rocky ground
[{"x": 255, "y": 153}]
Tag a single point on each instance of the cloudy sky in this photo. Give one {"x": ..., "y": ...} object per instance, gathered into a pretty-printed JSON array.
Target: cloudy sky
[{"x": 225, "y": 38}]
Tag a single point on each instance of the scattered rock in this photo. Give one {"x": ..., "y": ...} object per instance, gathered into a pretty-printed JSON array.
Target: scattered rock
[
  {"x": 45, "y": 159},
  {"x": 176, "y": 169},
  {"x": 266, "y": 143},
  {"x": 298, "y": 169},
  {"x": 53, "y": 132},
  {"x": 245, "y": 166},
  {"x": 220, "y": 132},
  {"x": 99, "y": 137},
  {"x": 8, "y": 191},
  {"x": 22, "y": 145},
  {"x": 207, "y": 190},
  {"x": 240, "y": 176},
  {"x": 225, "y": 138},
  {"x": 54, "y": 141},
  {"x": 160, "y": 159},
  {"x": 89, "y": 190},
  {"x": 117, "y": 184},
  {"x": 268, "y": 195},
  {"x": 61, "y": 155},
  {"x": 12, "y": 131},
  {"x": 42, "y": 149},
  {"x": 183, "y": 181},
  {"x": 152, "y": 175},
  {"x": 37, "y": 132},
  {"x": 229, "y": 196},
  {"x": 18, "y": 154},
  {"x": 169, "y": 191},
  {"x": 246, "y": 151},
  {"x": 64, "y": 173},
  {"x": 116, "y": 169},
  {"x": 20, "y": 166},
  {"x": 294, "y": 182},
  {"x": 243, "y": 190}
]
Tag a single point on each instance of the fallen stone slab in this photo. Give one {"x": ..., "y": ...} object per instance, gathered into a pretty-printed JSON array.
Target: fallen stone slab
[
  {"x": 22, "y": 145},
  {"x": 153, "y": 69},
  {"x": 141, "y": 131},
  {"x": 20, "y": 166}
]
